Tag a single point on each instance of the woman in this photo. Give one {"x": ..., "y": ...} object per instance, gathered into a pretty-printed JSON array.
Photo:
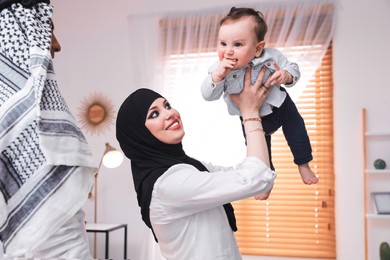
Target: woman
[{"x": 183, "y": 201}]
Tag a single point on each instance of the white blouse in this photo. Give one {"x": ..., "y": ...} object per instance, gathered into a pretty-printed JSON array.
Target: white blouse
[{"x": 186, "y": 209}]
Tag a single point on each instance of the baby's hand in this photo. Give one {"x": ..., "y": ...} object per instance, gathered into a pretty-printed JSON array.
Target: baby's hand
[
  {"x": 224, "y": 67},
  {"x": 280, "y": 76}
]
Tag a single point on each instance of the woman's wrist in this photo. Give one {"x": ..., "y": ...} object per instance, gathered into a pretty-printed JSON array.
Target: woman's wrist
[
  {"x": 248, "y": 119},
  {"x": 258, "y": 129},
  {"x": 249, "y": 116},
  {"x": 252, "y": 124},
  {"x": 250, "y": 113}
]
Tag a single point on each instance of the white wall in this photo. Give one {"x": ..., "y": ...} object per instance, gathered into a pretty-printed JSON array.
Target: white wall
[
  {"x": 361, "y": 60},
  {"x": 95, "y": 56}
]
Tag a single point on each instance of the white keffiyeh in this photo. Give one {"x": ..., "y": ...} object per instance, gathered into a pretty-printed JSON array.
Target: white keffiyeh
[{"x": 46, "y": 166}]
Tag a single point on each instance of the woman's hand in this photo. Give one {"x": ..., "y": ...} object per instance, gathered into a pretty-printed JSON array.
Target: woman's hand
[
  {"x": 252, "y": 97},
  {"x": 249, "y": 102}
]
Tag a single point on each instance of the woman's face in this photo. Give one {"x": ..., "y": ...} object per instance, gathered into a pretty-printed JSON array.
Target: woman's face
[{"x": 164, "y": 122}]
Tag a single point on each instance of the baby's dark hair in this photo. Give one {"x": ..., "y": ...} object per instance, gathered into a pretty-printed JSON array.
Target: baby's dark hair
[{"x": 238, "y": 13}]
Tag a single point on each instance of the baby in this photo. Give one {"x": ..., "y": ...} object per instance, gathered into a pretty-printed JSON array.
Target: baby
[{"x": 241, "y": 44}]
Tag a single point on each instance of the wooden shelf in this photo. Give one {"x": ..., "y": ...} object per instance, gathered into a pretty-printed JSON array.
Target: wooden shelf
[
  {"x": 378, "y": 172},
  {"x": 377, "y": 134},
  {"x": 371, "y": 179},
  {"x": 378, "y": 216}
]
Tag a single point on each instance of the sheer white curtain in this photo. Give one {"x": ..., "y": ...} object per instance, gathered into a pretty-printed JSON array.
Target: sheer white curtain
[
  {"x": 156, "y": 36},
  {"x": 171, "y": 53}
]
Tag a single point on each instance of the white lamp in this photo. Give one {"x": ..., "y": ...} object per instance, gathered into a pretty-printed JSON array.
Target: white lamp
[{"x": 111, "y": 158}]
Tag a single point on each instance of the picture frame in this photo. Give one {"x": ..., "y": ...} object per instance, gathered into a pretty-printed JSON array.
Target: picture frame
[{"x": 382, "y": 202}]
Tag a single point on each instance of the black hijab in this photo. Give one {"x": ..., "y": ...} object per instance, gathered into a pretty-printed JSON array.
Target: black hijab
[{"x": 150, "y": 158}]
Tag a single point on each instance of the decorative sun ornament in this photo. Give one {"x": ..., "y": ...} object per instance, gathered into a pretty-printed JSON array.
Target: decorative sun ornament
[{"x": 96, "y": 113}]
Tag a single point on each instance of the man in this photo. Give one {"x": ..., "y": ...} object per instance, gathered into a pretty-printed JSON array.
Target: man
[{"x": 46, "y": 166}]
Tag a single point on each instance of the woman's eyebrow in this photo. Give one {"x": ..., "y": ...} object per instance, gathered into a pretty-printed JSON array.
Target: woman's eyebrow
[{"x": 154, "y": 107}]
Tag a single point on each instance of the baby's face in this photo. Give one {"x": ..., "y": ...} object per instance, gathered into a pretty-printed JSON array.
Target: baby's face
[{"x": 237, "y": 42}]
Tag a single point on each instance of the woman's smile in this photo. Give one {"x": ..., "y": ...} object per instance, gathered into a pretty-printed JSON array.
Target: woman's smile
[{"x": 174, "y": 126}]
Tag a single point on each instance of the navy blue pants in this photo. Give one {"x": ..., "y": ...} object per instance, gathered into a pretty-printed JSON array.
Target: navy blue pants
[{"x": 294, "y": 130}]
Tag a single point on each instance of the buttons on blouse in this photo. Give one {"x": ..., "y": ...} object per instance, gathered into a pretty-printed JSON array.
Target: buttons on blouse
[
  {"x": 244, "y": 179},
  {"x": 235, "y": 76}
]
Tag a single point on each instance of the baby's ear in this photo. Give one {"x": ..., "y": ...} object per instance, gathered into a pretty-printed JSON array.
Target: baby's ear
[{"x": 259, "y": 48}]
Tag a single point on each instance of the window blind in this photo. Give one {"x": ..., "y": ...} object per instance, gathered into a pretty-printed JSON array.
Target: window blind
[{"x": 297, "y": 220}]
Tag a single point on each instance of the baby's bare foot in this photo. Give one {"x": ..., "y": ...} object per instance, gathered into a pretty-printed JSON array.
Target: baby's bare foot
[{"x": 308, "y": 177}]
